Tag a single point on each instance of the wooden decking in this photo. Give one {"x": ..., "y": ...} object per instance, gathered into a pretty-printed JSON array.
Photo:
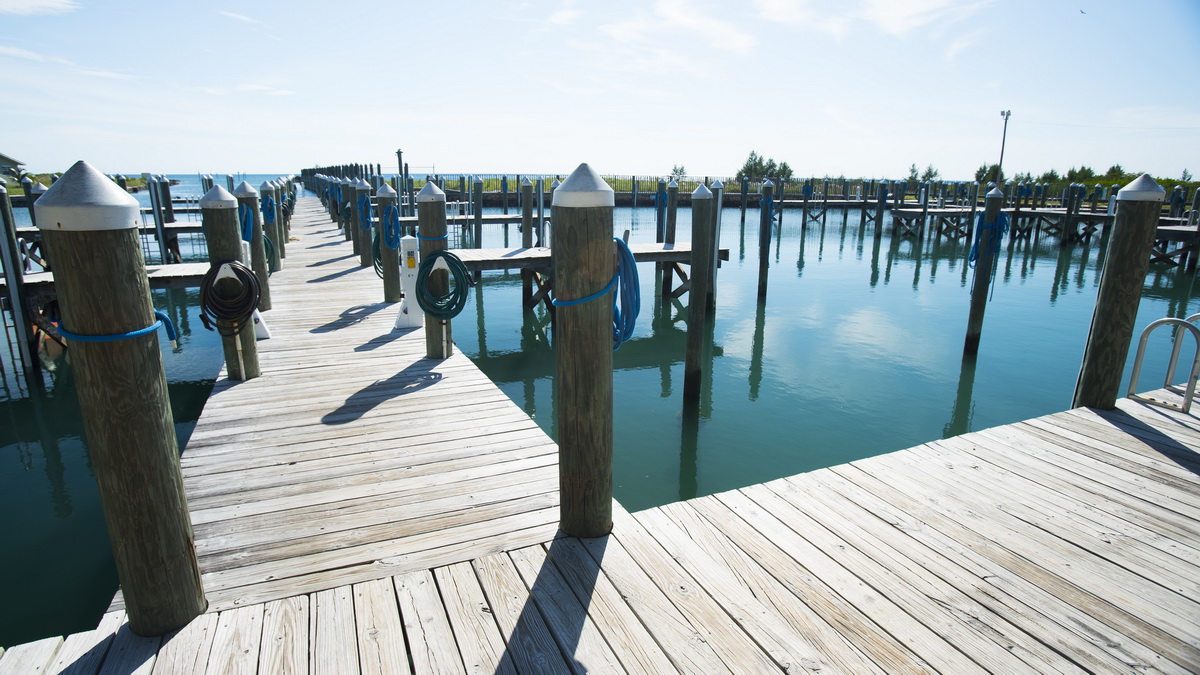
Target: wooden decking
[{"x": 332, "y": 543}]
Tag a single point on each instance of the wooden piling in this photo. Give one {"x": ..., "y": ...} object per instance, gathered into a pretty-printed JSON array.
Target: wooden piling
[
  {"x": 660, "y": 210},
  {"x": 718, "y": 191},
  {"x": 431, "y": 219},
  {"x": 389, "y": 257},
  {"x": 218, "y": 216},
  {"x": 93, "y": 227},
  {"x": 703, "y": 258},
  {"x": 362, "y": 219},
  {"x": 583, "y": 257},
  {"x": 477, "y": 210},
  {"x": 668, "y": 269},
  {"x": 987, "y": 245},
  {"x": 1121, "y": 282},
  {"x": 526, "y": 240},
  {"x": 270, "y": 226},
  {"x": 247, "y": 198},
  {"x": 765, "y": 221}
]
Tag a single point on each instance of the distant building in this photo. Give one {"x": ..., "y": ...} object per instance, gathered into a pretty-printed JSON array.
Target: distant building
[{"x": 8, "y": 165}]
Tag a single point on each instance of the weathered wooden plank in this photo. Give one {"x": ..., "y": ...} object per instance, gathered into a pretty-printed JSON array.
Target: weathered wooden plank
[
  {"x": 333, "y": 644},
  {"x": 187, "y": 650},
  {"x": 285, "y": 636},
  {"x": 431, "y": 642},
  {"x": 631, "y": 641},
  {"x": 573, "y": 630},
  {"x": 380, "y": 631},
  {"x": 237, "y": 641},
  {"x": 736, "y": 649},
  {"x": 530, "y": 646},
  {"x": 31, "y": 657},
  {"x": 683, "y": 643},
  {"x": 473, "y": 621},
  {"x": 84, "y": 652}
]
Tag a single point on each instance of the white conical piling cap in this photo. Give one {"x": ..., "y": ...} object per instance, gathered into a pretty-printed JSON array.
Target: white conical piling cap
[
  {"x": 701, "y": 192},
  {"x": 38, "y": 188},
  {"x": 717, "y": 185},
  {"x": 266, "y": 187},
  {"x": 431, "y": 193},
  {"x": 994, "y": 193},
  {"x": 582, "y": 189},
  {"x": 85, "y": 200},
  {"x": 672, "y": 184},
  {"x": 767, "y": 183},
  {"x": 361, "y": 184},
  {"x": 245, "y": 189},
  {"x": 555, "y": 184},
  {"x": 526, "y": 181},
  {"x": 1141, "y": 189},
  {"x": 386, "y": 192},
  {"x": 218, "y": 198},
  {"x": 477, "y": 181}
]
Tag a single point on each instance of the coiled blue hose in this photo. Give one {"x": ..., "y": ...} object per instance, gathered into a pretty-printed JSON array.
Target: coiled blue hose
[
  {"x": 364, "y": 211},
  {"x": 628, "y": 303},
  {"x": 391, "y": 227}
]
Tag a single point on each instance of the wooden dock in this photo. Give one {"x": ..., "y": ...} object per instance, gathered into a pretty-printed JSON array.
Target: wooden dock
[{"x": 361, "y": 509}]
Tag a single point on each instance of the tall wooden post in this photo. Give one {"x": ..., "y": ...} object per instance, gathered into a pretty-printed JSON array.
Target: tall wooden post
[
  {"x": 362, "y": 218},
  {"x": 987, "y": 245},
  {"x": 745, "y": 195},
  {"x": 218, "y": 216},
  {"x": 660, "y": 210},
  {"x": 270, "y": 226},
  {"x": 765, "y": 220},
  {"x": 526, "y": 240},
  {"x": 281, "y": 219},
  {"x": 14, "y": 278},
  {"x": 431, "y": 219},
  {"x": 1121, "y": 282},
  {"x": 698, "y": 296},
  {"x": 345, "y": 211},
  {"x": 668, "y": 237},
  {"x": 247, "y": 198},
  {"x": 389, "y": 257},
  {"x": 718, "y": 192},
  {"x": 583, "y": 259},
  {"x": 477, "y": 209},
  {"x": 92, "y": 226}
]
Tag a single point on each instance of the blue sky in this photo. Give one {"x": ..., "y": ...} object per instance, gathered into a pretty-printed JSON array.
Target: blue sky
[{"x": 855, "y": 87}]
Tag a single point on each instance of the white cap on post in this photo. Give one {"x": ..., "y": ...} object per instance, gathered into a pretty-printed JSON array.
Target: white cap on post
[
  {"x": 584, "y": 188},
  {"x": 218, "y": 198},
  {"x": 672, "y": 184},
  {"x": 266, "y": 187},
  {"x": 1141, "y": 189},
  {"x": 431, "y": 193},
  {"x": 767, "y": 183},
  {"x": 526, "y": 181},
  {"x": 387, "y": 192},
  {"x": 701, "y": 192},
  {"x": 85, "y": 200},
  {"x": 717, "y": 184},
  {"x": 993, "y": 193},
  {"x": 245, "y": 189}
]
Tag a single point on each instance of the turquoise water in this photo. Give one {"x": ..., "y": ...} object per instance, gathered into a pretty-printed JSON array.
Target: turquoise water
[{"x": 856, "y": 351}]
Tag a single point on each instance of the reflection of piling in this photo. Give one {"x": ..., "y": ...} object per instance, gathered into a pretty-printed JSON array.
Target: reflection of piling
[
  {"x": 669, "y": 227},
  {"x": 698, "y": 296},
  {"x": 93, "y": 228},
  {"x": 987, "y": 245},
  {"x": 584, "y": 264},
  {"x": 1121, "y": 282},
  {"x": 14, "y": 278},
  {"x": 756, "y": 349},
  {"x": 765, "y": 220},
  {"x": 964, "y": 404}
]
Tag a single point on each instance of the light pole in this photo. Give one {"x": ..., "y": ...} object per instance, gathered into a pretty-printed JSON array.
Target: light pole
[{"x": 1003, "y": 137}]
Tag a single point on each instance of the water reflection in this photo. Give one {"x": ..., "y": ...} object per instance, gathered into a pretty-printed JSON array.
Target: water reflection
[{"x": 964, "y": 404}]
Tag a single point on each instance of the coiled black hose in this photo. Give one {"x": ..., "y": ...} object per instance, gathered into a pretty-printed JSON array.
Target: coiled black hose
[{"x": 229, "y": 314}]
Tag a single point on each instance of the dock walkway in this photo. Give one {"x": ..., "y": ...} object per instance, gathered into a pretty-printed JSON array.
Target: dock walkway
[{"x": 359, "y": 508}]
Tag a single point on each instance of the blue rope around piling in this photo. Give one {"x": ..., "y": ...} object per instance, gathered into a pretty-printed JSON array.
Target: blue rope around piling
[
  {"x": 391, "y": 227},
  {"x": 162, "y": 320},
  {"x": 628, "y": 303},
  {"x": 246, "y": 216},
  {"x": 268, "y": 210},
  {"x": 1000, "y": 227},
  {"x": 768, "y": 205},
  {"x": 364, "y": 211}
]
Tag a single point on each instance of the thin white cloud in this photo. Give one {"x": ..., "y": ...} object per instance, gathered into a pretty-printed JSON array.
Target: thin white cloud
[
  {"x": 720, "y": 34},
  {"x": 26, "y": 7},
  {"x": 899, "y": 18},
  {"x": 17, "y": 52},
  {"x": 630, "y": 30},
  {"x": 959, "y": 44},
  {"x": 564, "y": 15},
  {"x": 239, "y": 17}
]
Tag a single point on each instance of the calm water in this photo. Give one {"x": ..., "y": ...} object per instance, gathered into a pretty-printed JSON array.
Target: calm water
[{"x": 856, "y": 351}]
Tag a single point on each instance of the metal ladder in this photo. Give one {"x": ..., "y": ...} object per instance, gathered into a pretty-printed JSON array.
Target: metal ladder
[{"x": 1189, "y": 391}]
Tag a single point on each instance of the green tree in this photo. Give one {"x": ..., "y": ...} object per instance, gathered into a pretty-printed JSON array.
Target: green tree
[
  {"x": 677, "y": 171},
  {"x": 1050, "y": 176},
  {"x": 1186, "y": 176},
  {"x": 989, "y": 173},
  {"x": 1115, "y": 172},
  {"x": 929, "y": 173},
  {"x": 913, "y": 176},
  {"x": 758, "y": 167},
  {"x": 1083, "y": 173}
]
